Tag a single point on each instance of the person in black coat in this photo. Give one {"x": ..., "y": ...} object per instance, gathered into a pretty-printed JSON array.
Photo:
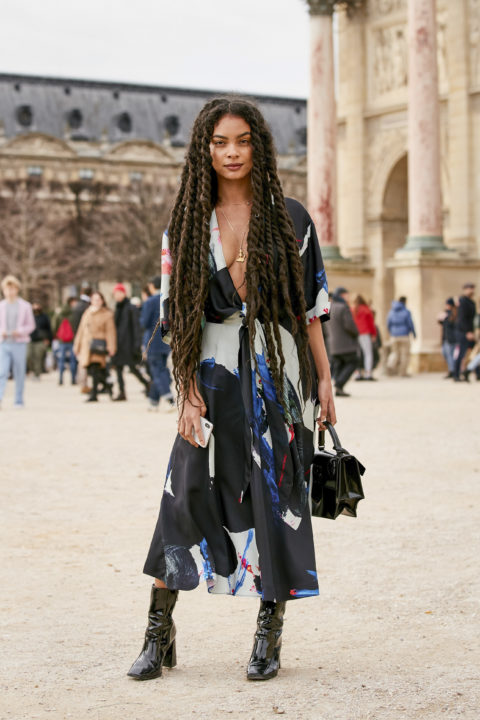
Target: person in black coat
[
  {"x": 465, "y": 337},
  {"x": 447, "y": 320},
  {"x": 40, "y": 340},
  {"x": 129, "y": 340},
  {"x": 342, "y": 340},
  {"x": 82, "y": 304}
]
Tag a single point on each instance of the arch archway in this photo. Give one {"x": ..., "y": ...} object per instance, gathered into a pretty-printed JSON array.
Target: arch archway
[{"x": 394, "y": 221}]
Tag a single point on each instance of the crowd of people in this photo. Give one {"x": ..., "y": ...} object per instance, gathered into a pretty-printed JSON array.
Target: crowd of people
[
  {"x": 460, "y": 336},
  {"x": 98, "y": 344},
  {"x": 94, "y": 342},
  {"x": 354, "y": 342}
]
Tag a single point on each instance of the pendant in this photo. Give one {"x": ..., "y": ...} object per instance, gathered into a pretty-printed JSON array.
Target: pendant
[{"x": 241, "y": 256}]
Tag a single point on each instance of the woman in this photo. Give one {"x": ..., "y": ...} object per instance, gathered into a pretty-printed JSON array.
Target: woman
[
  {"x": 367, "y": 333},
  {"x": 96, "y": 339},
  {"x": 243, "y": 292}
]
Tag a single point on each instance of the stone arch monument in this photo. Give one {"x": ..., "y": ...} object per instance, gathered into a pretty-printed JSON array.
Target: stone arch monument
[{"x": 389, "y": 250}]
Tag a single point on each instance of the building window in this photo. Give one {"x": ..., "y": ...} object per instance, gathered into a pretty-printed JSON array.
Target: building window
[
  {"x": 34, "y": 171},
  {"x": 301, "y": 134},
  {"x": 163, "y": 98},
  {"x": 136, "y": 177},
  {"x": 86, "y": 174},
  {"x": 67, "y": 90},
  {"x": 75, "y": 118},
  {"x": 24, "y": 115},
  {"x": 116, "y": 94},
  {"x": 124, "y": 122},
  {"x": 17, "y": 87},
  {"x": 172, "y": 124}
]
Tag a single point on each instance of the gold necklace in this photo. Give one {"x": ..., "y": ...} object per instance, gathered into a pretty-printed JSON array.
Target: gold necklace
[{"x": 241, "y": 255}]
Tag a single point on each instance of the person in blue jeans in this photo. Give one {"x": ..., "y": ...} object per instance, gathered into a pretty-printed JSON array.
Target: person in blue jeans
[
  {"x": 65, "y": 333},
  {"x": 16, "y": 324},
  {"x": 157, "y": 352}
]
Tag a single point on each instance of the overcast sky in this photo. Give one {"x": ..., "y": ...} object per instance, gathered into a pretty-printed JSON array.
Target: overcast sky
[{"x": 257, "y": 46}]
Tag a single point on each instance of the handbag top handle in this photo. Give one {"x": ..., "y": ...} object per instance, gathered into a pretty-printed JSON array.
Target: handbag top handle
[{"x": 337, "y": 445}]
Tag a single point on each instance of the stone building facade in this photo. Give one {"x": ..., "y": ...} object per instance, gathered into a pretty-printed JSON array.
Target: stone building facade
[
  {"x": 66, "y": 137},
  {"x": 65, "y": 130}
]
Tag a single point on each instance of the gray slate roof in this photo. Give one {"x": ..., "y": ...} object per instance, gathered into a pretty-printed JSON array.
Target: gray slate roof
[{"x": 91, "y": 110}]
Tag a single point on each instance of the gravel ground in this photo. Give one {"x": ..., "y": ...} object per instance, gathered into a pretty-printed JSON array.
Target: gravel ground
[{"x": 393, "y": 635}]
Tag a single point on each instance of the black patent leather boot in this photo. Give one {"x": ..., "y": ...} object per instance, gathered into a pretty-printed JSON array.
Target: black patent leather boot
[
  {"x": 265, "y": 659},
  {"x": 159, "y": 646}
]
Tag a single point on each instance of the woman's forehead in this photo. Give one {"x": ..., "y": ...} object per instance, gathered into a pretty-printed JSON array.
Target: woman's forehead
[{"x": 231, "y": 126}]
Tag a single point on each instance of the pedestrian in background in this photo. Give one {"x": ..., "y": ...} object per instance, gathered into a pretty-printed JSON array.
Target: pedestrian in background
[
  {"x": 96, "y": 340},
  {"x": 16, "y": 324},
  {"x": 157, "y": 350},
  {"x": 343, "y": 341},
  {"x": 464, "y": 329},
  {"x": 367, "y": 334},
  {"x": 65, "y": 334},
  {"x": 129, "y": 340},
  {"x": 377, "y": 343},
  {"x": 40, "y": 341},
  {"x": 400, "y": 326},
  {"x": 78, "y": 310},
  {"x": 447, "y": 320}
]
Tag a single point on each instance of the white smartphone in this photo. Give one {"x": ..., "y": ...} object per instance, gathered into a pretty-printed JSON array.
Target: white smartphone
[{"x": 207, "y": 428}]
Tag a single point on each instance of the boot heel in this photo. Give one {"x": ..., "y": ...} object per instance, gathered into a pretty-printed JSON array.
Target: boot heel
[{"x": 170, "y": 659}]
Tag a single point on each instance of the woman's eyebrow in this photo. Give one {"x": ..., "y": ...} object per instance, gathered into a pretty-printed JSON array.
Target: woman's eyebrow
[{"x": 223, "y": 137}]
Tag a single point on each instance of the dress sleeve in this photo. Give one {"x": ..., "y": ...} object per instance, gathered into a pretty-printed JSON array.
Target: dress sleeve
[
  {"x": 314, "y": 275},
  {"x": 164, "y": 289}
]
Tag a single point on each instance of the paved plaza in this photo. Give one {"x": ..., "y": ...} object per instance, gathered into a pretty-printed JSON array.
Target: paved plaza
[{"x": 393, "y": 635}]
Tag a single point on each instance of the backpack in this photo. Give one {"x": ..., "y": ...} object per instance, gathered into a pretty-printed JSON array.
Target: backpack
[{"x": 65, "y": 331}]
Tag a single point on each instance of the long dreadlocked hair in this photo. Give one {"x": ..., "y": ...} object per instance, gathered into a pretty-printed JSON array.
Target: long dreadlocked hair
[{"x": 274, "y": 269}]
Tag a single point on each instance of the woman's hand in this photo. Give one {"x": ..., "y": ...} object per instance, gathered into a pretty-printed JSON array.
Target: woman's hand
[
  {"x": 327, "y": 406},
  {"x": 322, "y": 365},
  {"x": 191, "y": 410}
]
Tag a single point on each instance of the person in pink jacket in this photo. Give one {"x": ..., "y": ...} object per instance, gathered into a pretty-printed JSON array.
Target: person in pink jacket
[{"x": 16, "y": 324}]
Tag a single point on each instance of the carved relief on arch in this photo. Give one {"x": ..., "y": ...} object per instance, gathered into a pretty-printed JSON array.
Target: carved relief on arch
[
  {"x": 385, "y": 149},
  {"x": 389, "y": 59},
  {"x": 381, "y": 8},
  {"x": 38, "y": 144}
]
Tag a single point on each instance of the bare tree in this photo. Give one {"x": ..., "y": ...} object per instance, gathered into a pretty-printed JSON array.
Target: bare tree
[
  {"x": 131, "y": 230},
  {"x": 29, "y": 244},
  {"x": 85, "y": 231}
]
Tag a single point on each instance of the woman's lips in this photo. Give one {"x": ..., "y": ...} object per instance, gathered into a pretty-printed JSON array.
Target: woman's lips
[{"x": 234, "y": 166}]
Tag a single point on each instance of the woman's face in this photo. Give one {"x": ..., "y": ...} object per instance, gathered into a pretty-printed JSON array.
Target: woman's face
[
  {"x": 231, "y": 148},
  {"x": 96, "y": 301}
]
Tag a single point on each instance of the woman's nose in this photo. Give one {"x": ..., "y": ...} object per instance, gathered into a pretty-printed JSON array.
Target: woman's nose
[{"x": 232, "y": 151}]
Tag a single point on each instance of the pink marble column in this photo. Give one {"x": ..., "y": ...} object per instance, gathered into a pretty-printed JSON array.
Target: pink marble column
[
  {"x": 424, "y": 175},
  {"x": 322, "y": 128}
]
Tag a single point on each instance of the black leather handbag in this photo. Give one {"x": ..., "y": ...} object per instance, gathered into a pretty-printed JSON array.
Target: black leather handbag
[
  {"x": 98, "y": 347},
  {"x": 336, "y": 479}
]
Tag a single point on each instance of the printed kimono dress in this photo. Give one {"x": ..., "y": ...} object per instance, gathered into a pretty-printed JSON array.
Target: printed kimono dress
[{"x": 236, "y": 514}]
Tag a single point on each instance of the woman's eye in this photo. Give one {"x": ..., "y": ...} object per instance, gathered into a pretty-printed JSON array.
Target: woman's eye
[{"x": 218, "y": 142}]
